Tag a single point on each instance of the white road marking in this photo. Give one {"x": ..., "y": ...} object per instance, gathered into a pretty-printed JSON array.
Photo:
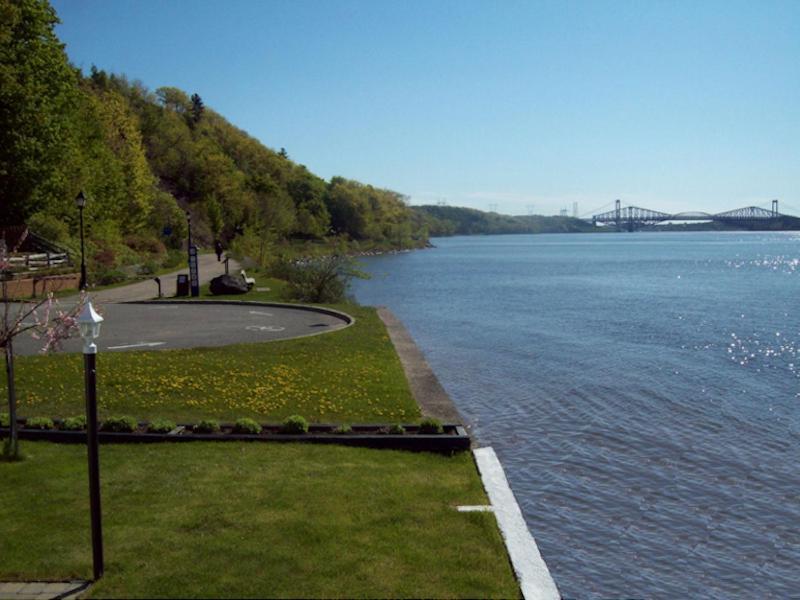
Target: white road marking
[
  {"x": 533, "y": 575},
  {"x": 475, "y": 508},
  {"x": 139, "y": 345},
  {"x": 263, "y": 314},
  {"x": 264, "y": 328}
]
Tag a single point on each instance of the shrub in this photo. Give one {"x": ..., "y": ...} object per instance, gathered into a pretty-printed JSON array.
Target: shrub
[
  {"x": 160, "y": 426},
  {"x": 110, "y": 277},
  {"x": 39, "y": 423},
  {"x": 120, "y": 424},
  {"x": 397, "y": 429},
  {"x": 207, "y": 426},
  {"x": 343, "y": 429},
  {"x": 5, "y": 420},
  {"x": 295, "y": 424},
  {"x": 149, "y": 267},
  {"x": 431, "y": 425},
  {"x": 74, "y": 423},
  {"x": 247, "y": 426},
  {"x": 325, "y": 279}
]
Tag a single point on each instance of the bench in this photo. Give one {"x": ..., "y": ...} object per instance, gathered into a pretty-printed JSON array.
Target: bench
[{"x": 250, "y": 281}]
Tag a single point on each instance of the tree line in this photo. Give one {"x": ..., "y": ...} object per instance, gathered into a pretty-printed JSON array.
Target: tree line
[{"x": 146, "y": 158}]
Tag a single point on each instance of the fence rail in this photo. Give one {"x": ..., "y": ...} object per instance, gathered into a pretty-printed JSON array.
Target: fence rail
[{"x": 44, "y": 260}]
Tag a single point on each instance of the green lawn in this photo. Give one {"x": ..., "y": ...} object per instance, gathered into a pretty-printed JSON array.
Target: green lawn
[
  {"x": 245, "y": 520},
  {"x": 351, "y": 376}
]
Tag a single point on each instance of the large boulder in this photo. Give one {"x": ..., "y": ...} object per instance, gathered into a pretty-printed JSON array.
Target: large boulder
[{"x": 228, "y": 284}]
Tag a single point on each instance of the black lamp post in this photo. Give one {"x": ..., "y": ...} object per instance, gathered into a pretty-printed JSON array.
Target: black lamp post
[
  {"x": 89, "y": 323},
  {"x": 80, "y": 202}
]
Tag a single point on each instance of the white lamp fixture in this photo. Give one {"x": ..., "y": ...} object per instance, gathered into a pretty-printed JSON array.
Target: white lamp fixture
[{"x": 89, "y": 324}]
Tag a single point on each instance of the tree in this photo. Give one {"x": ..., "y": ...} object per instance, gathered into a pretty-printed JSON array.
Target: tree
[
  {"x": 42, "y": 319},
  {"x": 37, "y": 88},
  {"x": 197, "y": 109}
]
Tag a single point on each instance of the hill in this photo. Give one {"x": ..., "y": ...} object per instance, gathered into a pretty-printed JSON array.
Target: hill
[
  {"x": 147, "y": 158},
  {"x": 454, "y": 220}
]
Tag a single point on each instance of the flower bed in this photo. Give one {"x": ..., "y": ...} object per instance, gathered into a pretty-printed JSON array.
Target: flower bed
[{"x": 453, "y": 438}]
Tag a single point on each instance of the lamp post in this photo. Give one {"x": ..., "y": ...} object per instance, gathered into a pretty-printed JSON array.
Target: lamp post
[
  {"x": 80, "y": 202},
  {"x": 89, "y": 323}
]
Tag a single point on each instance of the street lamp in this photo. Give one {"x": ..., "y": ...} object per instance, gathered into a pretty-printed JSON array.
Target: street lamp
[
  {"x": 89, "y": 324},
  {"x": 80, "y": 202}
]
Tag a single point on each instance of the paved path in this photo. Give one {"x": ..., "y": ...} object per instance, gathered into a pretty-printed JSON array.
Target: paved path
[
  {"x": 44, "y": 590},
  {"x": 207, "y": 267}
]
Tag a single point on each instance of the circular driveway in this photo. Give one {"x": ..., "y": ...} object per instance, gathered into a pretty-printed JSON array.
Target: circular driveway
[{"x": 161, "y": 326}]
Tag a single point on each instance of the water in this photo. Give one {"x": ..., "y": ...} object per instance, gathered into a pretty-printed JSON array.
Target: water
[{"x": 642, "y": 391}]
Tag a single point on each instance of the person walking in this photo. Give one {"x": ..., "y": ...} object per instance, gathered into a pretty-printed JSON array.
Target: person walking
[{"x": 218, "y": 250}]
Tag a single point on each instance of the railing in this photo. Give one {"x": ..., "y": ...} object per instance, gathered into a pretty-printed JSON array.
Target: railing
[{"x": 33, "y": 262}]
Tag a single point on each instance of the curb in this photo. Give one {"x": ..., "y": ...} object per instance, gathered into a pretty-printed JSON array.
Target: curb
[{"x": 532, "y": 573}]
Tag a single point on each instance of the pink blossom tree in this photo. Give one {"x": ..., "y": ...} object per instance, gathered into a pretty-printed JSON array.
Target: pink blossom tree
[{"x": 44, "y": 320}]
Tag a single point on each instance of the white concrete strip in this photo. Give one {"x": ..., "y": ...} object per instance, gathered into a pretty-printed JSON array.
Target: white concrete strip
[
  {"x": 475, "y": 508},
  {"x": 532, "y": 573},
  {"x": 139, "y": 345},
  {"x": 258, "y": 312}
]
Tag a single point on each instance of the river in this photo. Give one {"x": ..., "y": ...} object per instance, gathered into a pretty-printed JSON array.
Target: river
[{"x": 642, "y": 391}]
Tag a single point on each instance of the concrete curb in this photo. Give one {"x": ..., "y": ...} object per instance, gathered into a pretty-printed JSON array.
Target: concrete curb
[
  {"x": 532, "y": 573},
  {"x": 431, "y": 397}
]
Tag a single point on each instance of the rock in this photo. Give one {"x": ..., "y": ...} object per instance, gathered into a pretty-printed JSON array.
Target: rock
[{"x": 228, "y": 284}]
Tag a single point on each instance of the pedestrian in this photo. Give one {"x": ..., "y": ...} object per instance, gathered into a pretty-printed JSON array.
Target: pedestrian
[{"x": 218, "y": 249}]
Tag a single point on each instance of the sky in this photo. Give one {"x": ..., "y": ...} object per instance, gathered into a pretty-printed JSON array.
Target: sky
[{"x": 510, "y": 106}]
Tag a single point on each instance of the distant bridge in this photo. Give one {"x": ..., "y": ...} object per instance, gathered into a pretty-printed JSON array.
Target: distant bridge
[{"x": 631, "y": 218}]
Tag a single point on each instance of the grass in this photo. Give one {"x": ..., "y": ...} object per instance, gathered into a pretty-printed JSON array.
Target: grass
[
  {"x": 263, "y": 520},
  {"x": 352, "y": 375}
]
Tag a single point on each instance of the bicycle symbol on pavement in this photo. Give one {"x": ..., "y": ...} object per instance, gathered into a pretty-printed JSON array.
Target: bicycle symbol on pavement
[{"x": 264, "y": 328}]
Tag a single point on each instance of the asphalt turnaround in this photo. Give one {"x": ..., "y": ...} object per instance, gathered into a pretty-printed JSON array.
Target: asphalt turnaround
[{"x": 162, "y": 326}]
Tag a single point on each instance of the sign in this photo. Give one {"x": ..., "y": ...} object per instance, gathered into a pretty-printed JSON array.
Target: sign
[{"x": 194, "y": 276}]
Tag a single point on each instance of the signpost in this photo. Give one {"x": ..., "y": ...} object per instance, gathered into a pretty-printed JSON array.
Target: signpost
[{"x": 194, "y": 277}]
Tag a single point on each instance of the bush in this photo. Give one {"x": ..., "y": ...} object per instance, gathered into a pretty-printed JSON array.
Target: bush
[
  {"x": 5, "y": 420},
  {"x": 39, "y": 423},
  {"x": 247, "y": 426},
  {"x": 74, "y": 423},
  {"x": 207, "y": 426},
  {"x": 431, "y": 425},
  {"x": 110, "y": 277},
  {"x": 120, "y": 424},
  {"x": 160, "y": 426},
  {"x": 343, "y": 429},
  {"x": 149, "y": 267},
  {"x": 397, "y": 429},
  {"x": 295, "y": 424},
  {"x": 321, "y": 280}
]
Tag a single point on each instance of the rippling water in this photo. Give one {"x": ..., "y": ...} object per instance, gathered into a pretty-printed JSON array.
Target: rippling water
[{"x": 642, "y": 391}]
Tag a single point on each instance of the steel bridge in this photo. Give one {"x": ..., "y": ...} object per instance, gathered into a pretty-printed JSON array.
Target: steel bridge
[{"x": 631, "y": 218}]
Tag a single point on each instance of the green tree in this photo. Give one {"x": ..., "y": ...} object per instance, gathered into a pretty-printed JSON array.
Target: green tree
[
  {"x": 197, "y": 109},
  {"x": 37, "y": 88}
]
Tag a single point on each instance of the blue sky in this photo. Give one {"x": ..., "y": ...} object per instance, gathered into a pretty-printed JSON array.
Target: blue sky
[{"x": 676, "y": 105}]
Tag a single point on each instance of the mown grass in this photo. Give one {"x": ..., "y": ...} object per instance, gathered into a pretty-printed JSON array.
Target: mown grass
[
  {"x": 254, "y": 520},
  {"x": 350, "y": 376}
]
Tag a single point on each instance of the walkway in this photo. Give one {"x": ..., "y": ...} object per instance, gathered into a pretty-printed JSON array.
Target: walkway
[
  {"x": 41, "y": 590},
  {"x": 207, "y": 266}
]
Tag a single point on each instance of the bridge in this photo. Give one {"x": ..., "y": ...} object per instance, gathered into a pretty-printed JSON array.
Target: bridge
[{"x": 631, "y": 218}]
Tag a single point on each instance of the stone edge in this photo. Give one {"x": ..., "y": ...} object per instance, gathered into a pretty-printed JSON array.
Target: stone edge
[
  {"x": 431, "y": 397},
  {"x": 532, "y": 573}
]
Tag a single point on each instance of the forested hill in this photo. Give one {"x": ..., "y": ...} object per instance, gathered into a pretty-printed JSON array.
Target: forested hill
[
  {"x": 146, "y": 157},
  {"x": 453, "y": 220}
]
